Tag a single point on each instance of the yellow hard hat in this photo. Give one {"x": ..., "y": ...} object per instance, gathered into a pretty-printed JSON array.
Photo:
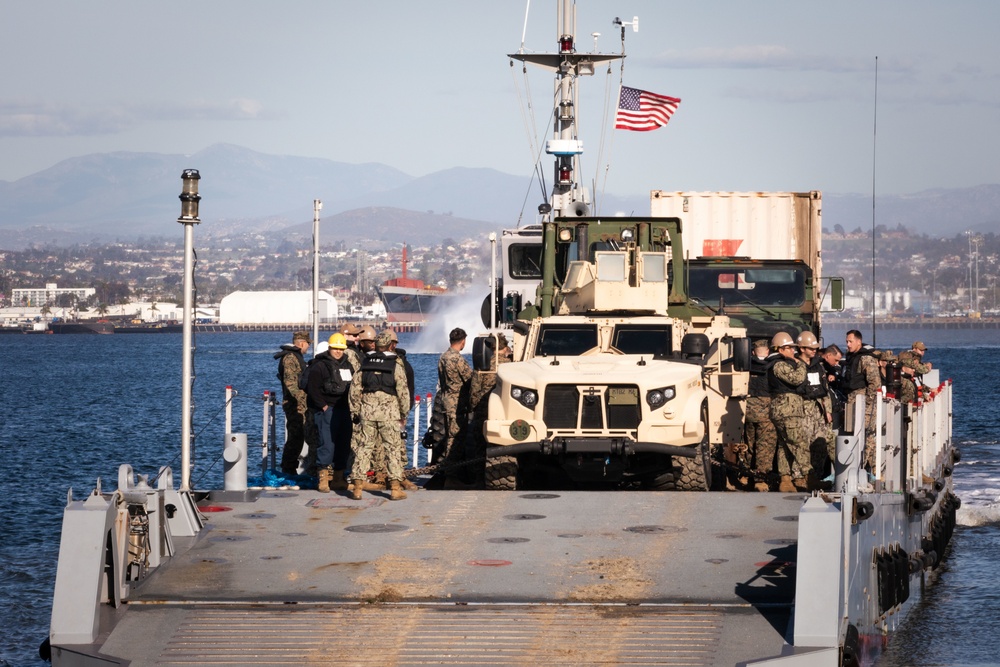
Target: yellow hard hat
[{"x": 338, "y": 341}]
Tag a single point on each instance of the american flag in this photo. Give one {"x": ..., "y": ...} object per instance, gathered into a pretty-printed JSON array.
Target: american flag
[{"x": 642, "y": 111}]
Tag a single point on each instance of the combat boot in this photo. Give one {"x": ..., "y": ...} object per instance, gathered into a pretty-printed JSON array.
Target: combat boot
[
  {"x": 786, "y": 485},
  {"x": 800, "y": 484},
  {"x": 338, "y": 483},
  {"x": 762, "y": 487},
  {"x": 408, "y": 485},
  {"x": 396, "y": 491},
  {"x": 376, "y": 484},
  {"x": 358, "y": 486},
  {"x": 324, "y": 480}
]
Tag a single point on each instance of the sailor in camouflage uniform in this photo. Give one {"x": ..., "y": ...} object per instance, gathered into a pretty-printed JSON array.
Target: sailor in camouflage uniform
[
  {"x": 913, "y": 369},
  {"x": 379, "y": 395},
  {"x": 817, "y": 407},
  {"x": 862, "y": 377},
  {"x": 293, "y": 402},
  {"x": 451, "y": 405},
  {"x": 785, "y": 378},
  {"x": 761, "y": 438},
  {"x": 381, "y": 473},
  {"x": 479, "y": 396}
]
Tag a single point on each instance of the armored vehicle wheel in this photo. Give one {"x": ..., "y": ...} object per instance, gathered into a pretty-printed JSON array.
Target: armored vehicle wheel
[
  {"x": 695, "y": 474},
  {"x": 501, "y": 473}
]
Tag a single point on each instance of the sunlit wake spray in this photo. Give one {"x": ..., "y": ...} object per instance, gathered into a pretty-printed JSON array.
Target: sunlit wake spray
[{"x": 464, "y": 310}]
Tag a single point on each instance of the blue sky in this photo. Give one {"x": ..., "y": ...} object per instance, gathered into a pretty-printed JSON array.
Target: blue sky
[{"x": 776, "y": 95}]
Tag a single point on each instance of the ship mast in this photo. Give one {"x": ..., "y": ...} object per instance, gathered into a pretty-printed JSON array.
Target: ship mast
[{"x": 569, "y": 198}]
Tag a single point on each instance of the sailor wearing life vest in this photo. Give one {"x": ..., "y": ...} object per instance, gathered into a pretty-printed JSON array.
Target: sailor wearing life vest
[
  {"x": 818, "y": 410},
  {"x": 761, "y": 438},
  {"x": 862, "y": 378},
  {"x": 380, "y": 396},
  {"x": 784, "y": 380}
]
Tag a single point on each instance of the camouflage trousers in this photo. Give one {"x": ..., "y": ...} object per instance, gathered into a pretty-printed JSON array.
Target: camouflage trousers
[
  {"x": 869, "y": 456},
  {"x": 793, "y": 446},
  {"x": 379, "y": 460},
  {"x": 761, "y": 437},
  {"x": 381, "y": 437},
  {"x": 822, "y": 438}
]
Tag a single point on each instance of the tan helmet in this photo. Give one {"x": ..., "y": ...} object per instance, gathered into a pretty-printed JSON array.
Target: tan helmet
[
  {"x": 782, "y": 339},
  {"x": 367, "y": 333},
  {"x": 338, "y": 341},
  {"x": 807, "y": 339}
]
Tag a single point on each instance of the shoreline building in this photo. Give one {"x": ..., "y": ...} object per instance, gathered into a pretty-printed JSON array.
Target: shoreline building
[
  {"x": 34, "y": 296},
  {"x": 275, "y": 308}
]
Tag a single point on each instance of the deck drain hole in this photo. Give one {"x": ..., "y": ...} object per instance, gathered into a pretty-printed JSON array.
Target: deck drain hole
[
  {"x": 570, "y": 536},
  {"x": 717, "y": 561},
  {"x": 790, "y": 517},
  {"x": 540, "y": 496},
  {"x": 524, "y": 517},
  {"x": 488, "y": 562},
  {"x": 278, "y": 494},
  {"x": 377, "y": 528},
  {"x": 295, "y": 534},
  {"x": 209, "y": 561},
  {"x": 255, "y": 515},
  {"x": 508, "y": 540},
  {"x": 729, "y": 536},
  {"x": 656, "y": 529},
  {"x": 270, "y": 557},
  {"x": 231, "y": 538}
]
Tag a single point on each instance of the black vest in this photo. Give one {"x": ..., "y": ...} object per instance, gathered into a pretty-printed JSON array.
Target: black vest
[
  {"x": 775, "y": 384},
  {"x": 812, "y": 391},
  {"x": 378, "y": 373},
  {"x": 853, "y": 377},
  {"x": 758, "y": 375}
]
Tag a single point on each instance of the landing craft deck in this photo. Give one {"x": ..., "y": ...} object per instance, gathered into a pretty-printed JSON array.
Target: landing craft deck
[{"x": 473, "y": 578}]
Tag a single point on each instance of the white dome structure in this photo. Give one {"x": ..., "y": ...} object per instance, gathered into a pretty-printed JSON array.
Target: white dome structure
[{"x": 275, "y": 308}]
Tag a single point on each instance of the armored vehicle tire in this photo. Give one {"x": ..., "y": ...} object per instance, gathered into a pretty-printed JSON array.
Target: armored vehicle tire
[
  {"x": 501, "y": 473},
  {"x": 695, "y": 474}
]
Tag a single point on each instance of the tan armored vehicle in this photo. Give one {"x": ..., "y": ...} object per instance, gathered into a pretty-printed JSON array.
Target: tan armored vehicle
[{"x": 615, "y": 383}]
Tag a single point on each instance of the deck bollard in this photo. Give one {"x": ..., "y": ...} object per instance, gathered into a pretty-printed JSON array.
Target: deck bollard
[{"x": 234, "y": 475}]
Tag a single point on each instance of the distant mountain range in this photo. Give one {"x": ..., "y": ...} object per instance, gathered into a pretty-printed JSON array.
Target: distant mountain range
[{"x": 108, "y": 196}]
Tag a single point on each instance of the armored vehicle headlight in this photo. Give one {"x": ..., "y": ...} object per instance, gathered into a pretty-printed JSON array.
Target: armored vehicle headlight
[
  {"x": 627, "y": 235},
  {"x": 657, "y": 397},
  {"x": 526, "y": 397}
]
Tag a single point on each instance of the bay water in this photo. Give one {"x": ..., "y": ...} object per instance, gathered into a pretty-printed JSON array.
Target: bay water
[{"x": 76, "y": 406}]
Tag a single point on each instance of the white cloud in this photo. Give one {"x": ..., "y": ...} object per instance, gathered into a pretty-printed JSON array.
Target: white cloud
[{"x": 19, "y": 118}]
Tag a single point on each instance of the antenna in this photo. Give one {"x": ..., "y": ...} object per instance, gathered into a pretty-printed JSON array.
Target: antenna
[
  {"x": 874, "y": 156},
  {"x": 621, "y": 24}
]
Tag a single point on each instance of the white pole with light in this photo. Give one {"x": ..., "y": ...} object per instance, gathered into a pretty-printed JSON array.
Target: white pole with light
[
  {"x": 317, "y": 207},
  {"x": 189, "y": 217}
]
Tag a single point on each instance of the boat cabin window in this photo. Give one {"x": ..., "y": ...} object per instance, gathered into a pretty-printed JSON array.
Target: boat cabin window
[
  {"x": 763, "y": 287},
  {"x": 566, "y": 339},
  {"x": 649, "y": 339}
]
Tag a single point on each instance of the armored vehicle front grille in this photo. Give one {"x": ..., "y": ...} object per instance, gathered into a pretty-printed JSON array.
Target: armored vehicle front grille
[{"x": 592, "y": 407}]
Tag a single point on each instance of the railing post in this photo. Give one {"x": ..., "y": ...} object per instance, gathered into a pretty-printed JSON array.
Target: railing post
[
  {"x": 416, "y": 429},
  {"x": 264, "y": 443},
  {"x": 229, "y": 409}
]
